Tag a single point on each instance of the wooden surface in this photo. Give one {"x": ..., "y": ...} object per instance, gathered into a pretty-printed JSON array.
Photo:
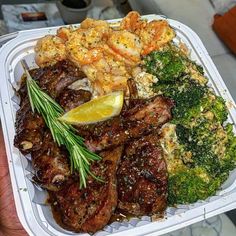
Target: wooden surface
[{"x": 9, "y": 223}]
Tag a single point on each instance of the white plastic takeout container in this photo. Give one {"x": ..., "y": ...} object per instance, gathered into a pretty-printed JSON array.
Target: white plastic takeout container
[{"x": 34, "y": 214}]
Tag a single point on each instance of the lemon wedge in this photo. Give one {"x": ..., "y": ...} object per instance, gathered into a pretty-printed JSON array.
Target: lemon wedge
[{"x": 98, "y": 109}]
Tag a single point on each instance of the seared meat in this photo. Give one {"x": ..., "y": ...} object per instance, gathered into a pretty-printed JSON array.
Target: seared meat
[
  {"x": 54, "y": 79},
  {"x": 89, "y": 209},
  {"x": 29, "y": 129},
  {"x": 22, "y": 92},
  {"x": 50, "y": 164},
  {"x": 133, "y": 123},
  {"x": 58, "y": 77},
  {"x": 49, "y": 161},
  {"x": 142, "y": 178},
  {"x": 133, "y": 92},
  {"x": 70, "y": 99}
]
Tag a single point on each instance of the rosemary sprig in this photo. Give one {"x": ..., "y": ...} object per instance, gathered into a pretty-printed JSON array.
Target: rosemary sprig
[{"x": 62, "y": 133}]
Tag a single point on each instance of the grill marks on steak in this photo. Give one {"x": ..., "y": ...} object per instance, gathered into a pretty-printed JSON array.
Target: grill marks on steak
[
  {"x": 58, "y": 77},
  {"x": 90, "y": 209},
  {"x": 70, "y": 98},
  {"x": 133, "y": 123},
  {"x": 29, "y": 129},
  {"x": 141, "y": 175},
  {"x": 142, "y": 178},
  {"x": 55, "y": 80},
  {"x": 50, "y": 162}
]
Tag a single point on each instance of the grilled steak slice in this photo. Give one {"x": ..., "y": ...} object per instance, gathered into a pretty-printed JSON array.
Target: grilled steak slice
[
  {"x": 29, "y": 129},
  {"x": 133, "y": 123},
  {"x": 89, "y": 209},
  {"x": 22, "y": 92},
  {"x": 70, "y": 98},
  {"x": 49, "y": 161},
  {"x": 142, "y": 178},
  {"x": 55, "y": 79},
  {"x": 50, "y": 164}
]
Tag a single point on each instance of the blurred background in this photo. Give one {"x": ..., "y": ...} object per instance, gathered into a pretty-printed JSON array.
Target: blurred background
[{"x": 200, "y": 15}]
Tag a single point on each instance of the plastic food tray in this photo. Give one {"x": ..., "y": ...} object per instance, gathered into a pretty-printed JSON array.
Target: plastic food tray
[{"x": 34, "y": 214}]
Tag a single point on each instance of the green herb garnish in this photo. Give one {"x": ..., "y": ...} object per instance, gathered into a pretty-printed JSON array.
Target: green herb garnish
[{"x": 63, "y": 134}]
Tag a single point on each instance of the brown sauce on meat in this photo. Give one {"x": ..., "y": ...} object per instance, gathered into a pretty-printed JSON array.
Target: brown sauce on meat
[
  {"x": 56, "y": 212},
  {"x": 127, "y": 144}
]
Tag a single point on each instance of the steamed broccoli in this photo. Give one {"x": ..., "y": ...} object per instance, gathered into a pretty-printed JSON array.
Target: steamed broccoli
[
  {"x": 170, "y": 64},
  {"x": 212, "y": 149},
  {"x": 190, "y": 185},
  {"x": 200, "y": 141},
  {"x": 165, "y": 65},
  {"x": 219, "y": 109},
  {"x": 187, "y": 95},
  {"x": 205, "y": 148},
  {"x": 199, "y": 68},
  {"x": 179, "y": 79},
  {"x": 206, "y": 173},
  {"x": 229, "y": 160}
]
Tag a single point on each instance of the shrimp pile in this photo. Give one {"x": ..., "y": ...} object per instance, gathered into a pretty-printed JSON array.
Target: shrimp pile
[{"x": 108, "y": 56}]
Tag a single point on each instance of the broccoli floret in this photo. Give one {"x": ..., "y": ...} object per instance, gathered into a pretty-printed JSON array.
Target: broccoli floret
[
  {"x": 231, "y": 144},
  {"x": 205, "y": 142},
  {"x": 199, "y": 141},
  {"x": 219, "y": 109},
  {"x": 199, "y": 68},
  {"x": 205, "y": 149},
  {"x": 165, "y": 65},
  {"x": 192, "y": 100},
  {"x": 187, "y": 95},
  {"x": 191, "y": 185},
  {"x": 171, "y": 63},
  {"x": 229, "y": 162}
]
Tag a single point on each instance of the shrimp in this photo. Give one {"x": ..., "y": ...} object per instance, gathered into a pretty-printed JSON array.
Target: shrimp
[
  {"x": 103, "y": 54},
  {"x": 109, "y": 51},
  {"x": 107, "y": 56},
  {"x": 49, "y": 50},
  {"x": 110, "y": 65},
  {"x": 126, "y": 44},
  {"x": 99, "y": 24},
  {"x": 153, "y": 35},
  {"x": 83, "y": 46},
  {"x": 107, "y": 74},
  {"x": 132, "y": 22},
  {"x": 107, "y": 83},
  {"x": 64, "y": 33}
]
